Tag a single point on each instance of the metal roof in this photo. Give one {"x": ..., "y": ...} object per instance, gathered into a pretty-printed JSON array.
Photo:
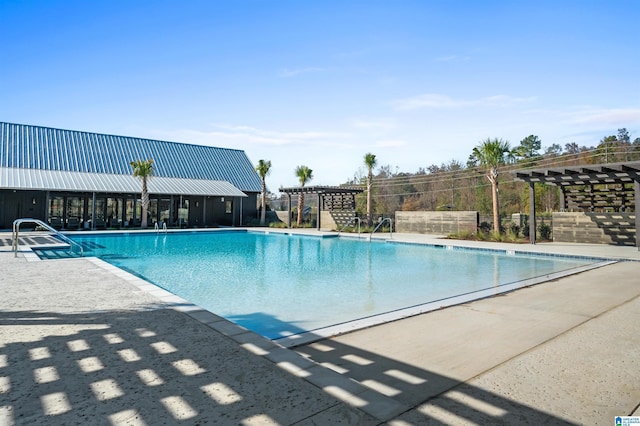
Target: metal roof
[
  {"x": 42, "y": 148},
  {"x": 55, "y": 180}
]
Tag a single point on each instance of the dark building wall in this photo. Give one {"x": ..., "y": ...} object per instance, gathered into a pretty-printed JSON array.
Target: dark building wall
[
  {"x": 209, "y": 211},
  {"x": 249, "y": 208},
  {"x": 21, "y": 204}
]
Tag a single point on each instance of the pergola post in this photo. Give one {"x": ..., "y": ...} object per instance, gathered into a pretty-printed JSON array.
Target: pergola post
[
  {"x": 319, "y": 208},
  {"x": 636, "y": 195},
  {"x": 532, "y": 212},
  {"x": 288, "y": 210}
]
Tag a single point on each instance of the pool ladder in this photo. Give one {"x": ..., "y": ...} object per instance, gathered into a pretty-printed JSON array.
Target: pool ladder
[
  {"x": 164, "y": 227},
  {"x": 16, "y": 235},
  {"x": 353, "y": 219},
  {"x": 386, "y": 219}
]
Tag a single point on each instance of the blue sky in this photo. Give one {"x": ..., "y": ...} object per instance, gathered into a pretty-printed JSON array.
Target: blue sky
[{"x": 321, "y": 83}]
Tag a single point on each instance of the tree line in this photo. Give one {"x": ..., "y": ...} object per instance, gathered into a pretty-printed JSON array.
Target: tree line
[
  {"x": 474, "y": 185},
  {"x": 471, "y": 185}
]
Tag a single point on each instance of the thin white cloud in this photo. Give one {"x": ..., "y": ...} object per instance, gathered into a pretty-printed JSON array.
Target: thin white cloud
[
  {"x": 452, "y": 58},
  {"x": 293, "y": 72},
  {"x": 390, "y": 144},
  {"x": 374, "y": 123},
  {"x": 616, "y": 116},
  {"x": 251, "y": 135},
  {"x": 438, "y": 101}
]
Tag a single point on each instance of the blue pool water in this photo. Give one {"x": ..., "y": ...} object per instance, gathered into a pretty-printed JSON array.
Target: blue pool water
[{"x": 278, "y": 285}]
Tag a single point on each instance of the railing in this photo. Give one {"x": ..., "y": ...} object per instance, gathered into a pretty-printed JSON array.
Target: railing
[
  {"x": 164, "y": 227},
  {"x": 58, "y": 234},
  {"x": 356, "y": 219},
  {"x": 386, "y": 219}
]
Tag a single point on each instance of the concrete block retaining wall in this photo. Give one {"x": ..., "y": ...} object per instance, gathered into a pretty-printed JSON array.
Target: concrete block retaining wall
[
  {"x": 595, "y": 228},
  {"x": 434, "y": 222},
  {"x": 282, "y": 215}
]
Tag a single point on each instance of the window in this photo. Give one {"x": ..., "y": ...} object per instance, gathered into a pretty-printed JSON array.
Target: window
[{"x": 56, "y": 207}]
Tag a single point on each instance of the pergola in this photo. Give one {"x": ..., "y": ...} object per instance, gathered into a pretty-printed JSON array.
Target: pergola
[
  {"x": 578, "y": 185},
  {"x": 329, "y": 198}
]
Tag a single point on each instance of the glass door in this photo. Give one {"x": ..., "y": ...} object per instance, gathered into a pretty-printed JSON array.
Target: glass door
[
  {"x": 75, "y": 212},
  {"x": 56, "y": 211}
]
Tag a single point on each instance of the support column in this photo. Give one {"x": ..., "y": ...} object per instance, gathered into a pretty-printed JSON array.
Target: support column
[
  {"x": 288, "y": 210},
  {"x": 563, "y": 199},
  {"x": 532, "y": 212},
  {"x": 47, "y": 200},
  {"x": 204, "y": 211},
  {"x": 636, "y": 194},
  {"x": 93, "y": 211},
  {"x": 172, "y": 209},
  {"x": 319, "y": 209}
]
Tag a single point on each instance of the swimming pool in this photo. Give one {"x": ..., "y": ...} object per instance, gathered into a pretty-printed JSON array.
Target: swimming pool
[{"x": 282, "y": 285}]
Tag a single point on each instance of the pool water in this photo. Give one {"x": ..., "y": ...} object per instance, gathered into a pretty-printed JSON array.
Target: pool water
[{"x": 280, "y": 285}]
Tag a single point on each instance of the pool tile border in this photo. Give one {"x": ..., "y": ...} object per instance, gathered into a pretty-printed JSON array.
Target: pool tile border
[{"x": 507, "y": 252}]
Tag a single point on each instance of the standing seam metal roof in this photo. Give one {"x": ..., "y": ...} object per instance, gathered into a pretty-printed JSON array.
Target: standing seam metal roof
[{"x": 43, "y": 148}]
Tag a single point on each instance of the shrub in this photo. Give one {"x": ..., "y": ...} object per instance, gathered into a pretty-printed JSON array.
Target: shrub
[
  {"x": 465, "y": 235},
  {"x": 545, "y": 231},
  {"x": 485, "y": 227},
  {"x": 277, "y": 225}
]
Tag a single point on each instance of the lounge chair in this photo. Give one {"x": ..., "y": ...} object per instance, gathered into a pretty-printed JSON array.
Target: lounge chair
[{"x": 73, "y": 223}]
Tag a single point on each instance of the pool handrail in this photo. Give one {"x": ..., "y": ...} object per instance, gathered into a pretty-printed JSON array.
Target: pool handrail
[
  {"x": 386, "y": 219},
  {"x": 16, "y": 234},
  {"x": 164, "y": 227},
  {"x": 355, "y": 218}
]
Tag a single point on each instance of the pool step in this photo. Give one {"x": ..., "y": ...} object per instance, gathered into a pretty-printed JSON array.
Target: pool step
[{"x": 56, "y": 253}]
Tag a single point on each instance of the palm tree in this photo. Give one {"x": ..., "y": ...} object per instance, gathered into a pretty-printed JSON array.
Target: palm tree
[
  {"x": 304, "y": 174},
  {"x": 263, "y": 168},
  {"x": 491, "y": 154},
  {"x": 369, "y": 161},
  {"x": 143, "y": 169}
]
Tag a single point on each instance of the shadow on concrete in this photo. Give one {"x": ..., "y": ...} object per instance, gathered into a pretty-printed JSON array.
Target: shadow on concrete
[
  {"x": 155, "y": 366},
  {"x": 421, "y": 397}
]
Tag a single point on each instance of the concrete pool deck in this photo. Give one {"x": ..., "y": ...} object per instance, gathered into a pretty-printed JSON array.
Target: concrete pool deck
[{"x": 81, "y": 341}]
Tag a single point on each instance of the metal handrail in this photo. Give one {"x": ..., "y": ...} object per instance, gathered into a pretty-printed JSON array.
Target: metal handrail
[
  {"x": 357, "y": 219},
  {"x": 164, "y": 227},
  {"x": 380, "y": 224},
  {"x": 16, "y": 234}
]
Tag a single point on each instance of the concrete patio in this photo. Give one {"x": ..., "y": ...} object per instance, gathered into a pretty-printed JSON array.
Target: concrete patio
[{"x": 84, "y": 342}]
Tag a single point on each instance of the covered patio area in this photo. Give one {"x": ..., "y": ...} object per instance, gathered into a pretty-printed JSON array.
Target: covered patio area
[
  {"x": 610, "y": 188},
  {"x": 332, "y": 199}
]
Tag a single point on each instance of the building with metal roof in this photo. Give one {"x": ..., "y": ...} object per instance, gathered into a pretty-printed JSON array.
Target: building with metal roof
[{"x": 75, "y": 179}]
